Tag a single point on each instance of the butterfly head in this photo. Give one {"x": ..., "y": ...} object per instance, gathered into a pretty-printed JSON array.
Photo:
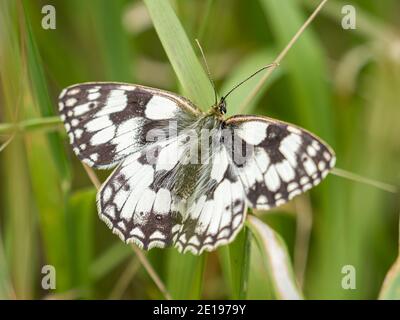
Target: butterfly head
[
  {"x": 219, "y": 109},
  {"x": 222, "y": 106}
]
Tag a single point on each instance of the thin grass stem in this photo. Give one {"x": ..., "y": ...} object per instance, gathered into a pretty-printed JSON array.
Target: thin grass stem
[
  {"x": 358, "y": 178},
  {"x": 280, "y": 57},
  {"x": 124, "y": 280}
]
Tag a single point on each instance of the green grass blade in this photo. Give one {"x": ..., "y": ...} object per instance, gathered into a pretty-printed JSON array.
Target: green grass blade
[
  {"x": 50, "y": 202},
  {"x": 42, "y": 99},
  {"x": 181, "y": 55},
  {"x": 391, "y": 287},
  {"x": 114, "y": 43},
  {"x": 305, "y": 64},
  {"x": 185, "y": 275},
  {"x": 276, "y": 259},
  {"x": 235, "y": 263},
  {"x": 109, "y": 259},
  {"x": 6, "y": 291},
  {"x": 81, "y": 212},
  {"x": 19, "y": 227},
  {"x": 17, "y": 212},
  {"x": 47, "y": 158},
  {"x": 371, "y": 211},
  {"x": 260, "y": 284}
]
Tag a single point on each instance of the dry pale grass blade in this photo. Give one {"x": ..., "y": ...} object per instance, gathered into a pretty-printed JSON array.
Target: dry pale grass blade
[
  {"x": 358, "y": 178},
  {"x": 125, "y": 279},
  {"x": 152, "y": 273},
  {"x": 390, "y": 289},
  {"x": 280, "y": 57},
  {"x": 92, "y": 176},
  {"x": 5, "y": 144},
  {"x": 142, "y": 258},
  {"x": 68, "y": 295},
  {"x": 277, "y": 260}
]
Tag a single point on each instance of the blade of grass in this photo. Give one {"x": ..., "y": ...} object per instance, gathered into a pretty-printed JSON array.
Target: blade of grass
[
  {"x": 204, "y": 21},
  {"x": 180, "y": 53},
  {"x": 282, "y": 54},
  {"x": 361, "y": 179},
  {"x": 42, "y": 99},
  {"x": 125, "y": 279},
  {"x": 18, "y": 219},
  {"x": 391, "y": 286},
  {"x": 304, "y": 220},
  {"x": 152, "y": 273},
  {"x": 80, "y": 214},
  {"x": 185, "y": 275},
  {"x": 113, "y": 40},
  {"x": 260, "y": 284},
  {"x": 46, "y": 158},
  {"x": 108, "y": 260},
  {"x": 374, "y": 152},
  {"x": 276, "y": 259},
  {"x": 235, "y": 262},
  {"x": 6, "y": 289},
  {"x": 48, "y": 123},
  {"x": 50, "y": 202}
]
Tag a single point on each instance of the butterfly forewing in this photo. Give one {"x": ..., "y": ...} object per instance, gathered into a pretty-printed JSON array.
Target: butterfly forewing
[
  {"x": 106, "y": 122},
  {"x": 284, "y": 160}
]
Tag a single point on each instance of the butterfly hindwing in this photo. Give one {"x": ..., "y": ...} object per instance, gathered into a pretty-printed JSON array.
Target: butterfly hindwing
[
  {"x": 283, "y": 161},
  {"x": 217, "y": 209},
  {"x": 138, "y": 209},
  {"x": 107, "y": 122}
]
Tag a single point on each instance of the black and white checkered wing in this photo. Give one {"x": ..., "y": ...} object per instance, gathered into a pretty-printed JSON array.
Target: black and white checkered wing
[
  {"x": 106, "y": 122},
  {"x": 137, "y": 205},
  {"x": 281, "y": 160}
]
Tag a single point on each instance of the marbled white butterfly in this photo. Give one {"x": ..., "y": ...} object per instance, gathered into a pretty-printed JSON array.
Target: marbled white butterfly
[{"x": 167, "y": 190}]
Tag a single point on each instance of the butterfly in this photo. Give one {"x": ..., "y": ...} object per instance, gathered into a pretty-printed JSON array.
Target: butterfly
[{"x": 184, "y": 177}]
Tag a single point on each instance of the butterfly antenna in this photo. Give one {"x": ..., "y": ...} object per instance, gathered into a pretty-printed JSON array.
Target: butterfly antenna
[
  {"x": 208, "y": 71},
  {"x": 274, "y": 64}
]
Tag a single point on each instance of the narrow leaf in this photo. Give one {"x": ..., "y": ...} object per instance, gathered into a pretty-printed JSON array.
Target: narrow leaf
[
  {"x": 391, "y": 286},
  {"x": 180, "y": 53},
  {"x": 276, "y": 259}
]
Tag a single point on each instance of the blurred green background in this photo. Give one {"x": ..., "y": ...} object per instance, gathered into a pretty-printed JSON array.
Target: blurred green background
[{"x": 342, "y": 84}]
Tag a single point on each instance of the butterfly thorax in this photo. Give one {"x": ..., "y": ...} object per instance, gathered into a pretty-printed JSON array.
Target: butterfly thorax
[{"x": 194, "y": 164}]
